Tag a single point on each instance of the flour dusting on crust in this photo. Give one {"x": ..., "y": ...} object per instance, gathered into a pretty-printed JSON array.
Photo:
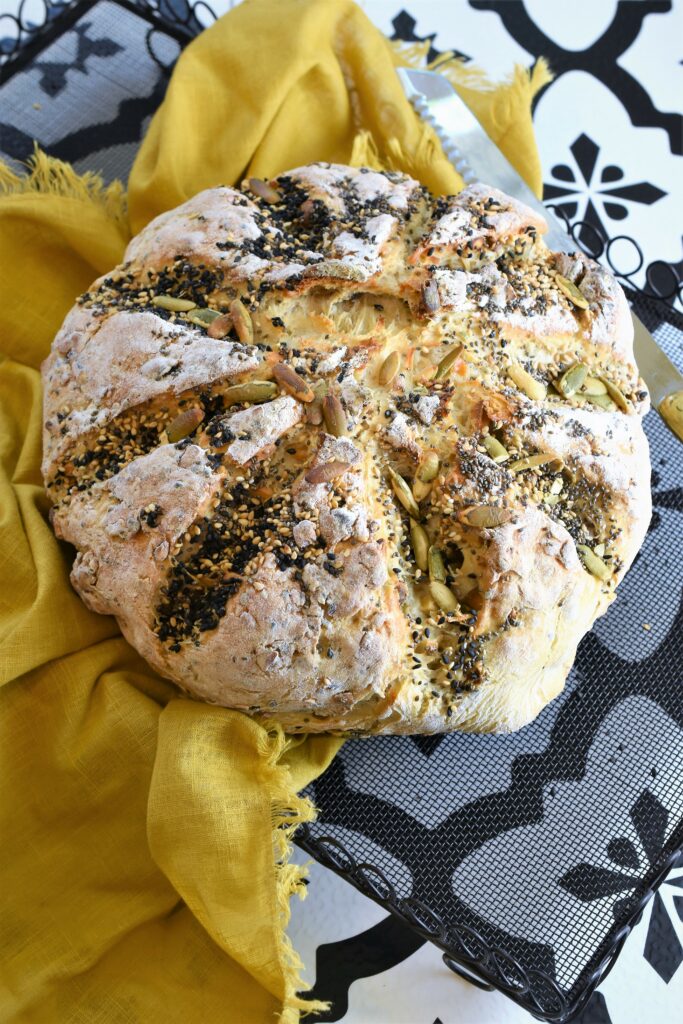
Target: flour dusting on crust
[{"x": 343, "y": 454}]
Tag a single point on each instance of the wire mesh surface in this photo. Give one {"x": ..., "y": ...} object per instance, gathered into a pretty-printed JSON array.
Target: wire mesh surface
[
  {"x": 85, "y": 84},
  {"x": 546, "y": 842}
]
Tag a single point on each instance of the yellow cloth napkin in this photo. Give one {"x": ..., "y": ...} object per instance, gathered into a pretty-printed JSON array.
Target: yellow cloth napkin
[{"x": 144, "y": 871}]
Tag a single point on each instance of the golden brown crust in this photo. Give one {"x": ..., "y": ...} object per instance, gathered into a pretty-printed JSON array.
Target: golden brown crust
[{"x": 338, "y": 453}]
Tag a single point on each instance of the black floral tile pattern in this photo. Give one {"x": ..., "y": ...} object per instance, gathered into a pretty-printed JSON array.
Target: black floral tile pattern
[
  {"x": 600, "y": 59},
  {"x": 53, "y": 74},
  {"x": 588, "y": 882},
  {"x": 541, "y": 841},
  {"x": 595, "y": 191}
]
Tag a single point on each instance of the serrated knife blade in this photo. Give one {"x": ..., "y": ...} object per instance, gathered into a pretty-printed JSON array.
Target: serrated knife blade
[{"x": 477, "y": 158}]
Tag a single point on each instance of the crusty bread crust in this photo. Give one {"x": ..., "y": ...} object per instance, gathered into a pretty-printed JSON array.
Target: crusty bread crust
[{"x": 345, "y": 455}]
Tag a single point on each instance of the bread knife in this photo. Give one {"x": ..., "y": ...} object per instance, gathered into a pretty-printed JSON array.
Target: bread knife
[{"x": 477, "y": 158}]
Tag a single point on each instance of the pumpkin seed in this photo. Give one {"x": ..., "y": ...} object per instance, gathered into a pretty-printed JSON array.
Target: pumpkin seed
[
  {"x": 336, "y": 269},
  {"x": 403, "y": 493},
  {"x": 428, "y": 468},
  {"x": 572, "y": 379},
  {"x": 594, "y": 386},
  {"x": 420, "y": 544},
  {"x": 172, "y": 304},
  {"x": 326, "y": 472},
  {"x": 264, "y": 190},
  {"x": 599, "y": 550},
  {"x": 571, "y": 291},
  {"x": 430, "y": 296},
  {"x": 671, "y": 410},
  {"x": 446, "y": 365},
  {"x": 421, "y": 488},
  {"x": 184, "y": 424},
  {"x": 485, "y": 517},
  {"x": 293, "y": 384},
  {"x": 530, "y": 461},
  {"x": 435, "y": 563},
  {"x": 531, "y": 387},
  {"x": 314, "y": 413},
  {"x": 250, "y": 391},
  {"x": 496, "y": 450},
  {"x": 603, "y": 401},
  {"x": 220, "y": 327},
  {"x": 593, "y": 563},
  {"x": 307, "y": 211},
  {"x": 241, "y": 320},
  {"x": 617, "y": 395},
  {"x": 334, "y": 416},
  {"x": 444, "y": 596},
  {"x": 203, "y": 317},
  {"x": 389, "y": 368}
]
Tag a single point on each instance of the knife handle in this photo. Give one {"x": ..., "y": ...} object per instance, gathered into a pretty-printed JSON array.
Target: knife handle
[{"x": 671, "y": 411}]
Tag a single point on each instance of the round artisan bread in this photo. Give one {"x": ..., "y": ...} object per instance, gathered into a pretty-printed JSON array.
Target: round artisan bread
[{"x": 339, "y": 453}]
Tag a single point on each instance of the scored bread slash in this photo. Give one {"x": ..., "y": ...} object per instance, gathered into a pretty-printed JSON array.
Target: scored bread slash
[
  {"x": 327, "y": 472},
  {"x": 292, "y": 383}
]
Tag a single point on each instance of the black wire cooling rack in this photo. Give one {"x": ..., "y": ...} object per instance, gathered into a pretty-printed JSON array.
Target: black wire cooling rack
[
  {"x": 525, "y": 859},
  {"x": 22, "y": 37}
]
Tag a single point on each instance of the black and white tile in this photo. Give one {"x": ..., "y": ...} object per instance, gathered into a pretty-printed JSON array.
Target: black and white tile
[
  {"x": 375, "y": 970},
  {"x": 610, "y": 137},
  {"x": 609, "y": 126}
]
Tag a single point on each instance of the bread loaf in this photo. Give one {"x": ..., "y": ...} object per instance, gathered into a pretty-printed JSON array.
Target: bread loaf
[{"x": 339, "y": 453}]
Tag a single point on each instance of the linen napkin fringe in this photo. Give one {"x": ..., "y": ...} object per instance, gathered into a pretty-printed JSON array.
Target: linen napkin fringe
[
  {"x": 289, "y": 810},
  {"x": 46, "y": 175},
  {"x": 49, "y": 177}
]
